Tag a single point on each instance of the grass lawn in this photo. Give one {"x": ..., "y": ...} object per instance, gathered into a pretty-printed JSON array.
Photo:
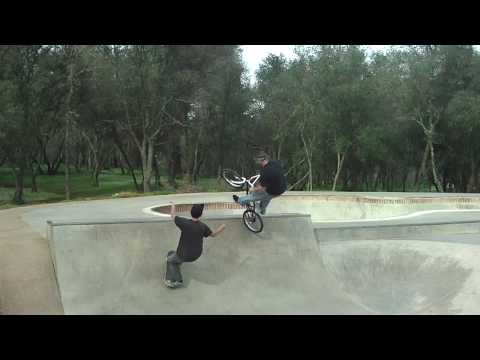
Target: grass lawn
[{"x": 111, "y": 184}]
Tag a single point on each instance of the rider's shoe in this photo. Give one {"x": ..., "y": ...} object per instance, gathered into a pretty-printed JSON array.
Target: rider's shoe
[
  {"x": 263, "y": 211},
  {"x": 235, "y": 198}
]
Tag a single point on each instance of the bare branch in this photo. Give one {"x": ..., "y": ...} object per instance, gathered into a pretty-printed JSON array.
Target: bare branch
[
  {"x": 299, "y": 181},
  {"x": 294, "y": 166},
  {"x": 175, "y": 121}
]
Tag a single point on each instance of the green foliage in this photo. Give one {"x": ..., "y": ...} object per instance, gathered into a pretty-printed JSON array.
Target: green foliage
[{"x": 188, "y": 110}]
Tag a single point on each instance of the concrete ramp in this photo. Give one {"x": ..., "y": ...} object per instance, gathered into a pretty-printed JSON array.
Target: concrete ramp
[
  {"x": 118, "y": 268},
  {"x": 406, "y": 276}
]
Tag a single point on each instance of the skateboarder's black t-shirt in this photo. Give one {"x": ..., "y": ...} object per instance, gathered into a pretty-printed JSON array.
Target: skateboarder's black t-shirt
[
  {"x": 190, "y": 245},
  {"x": 273, "y": 178}
]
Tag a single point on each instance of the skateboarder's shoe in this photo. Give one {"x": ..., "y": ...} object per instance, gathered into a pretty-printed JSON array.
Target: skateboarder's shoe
[
  {"x": 173, "y": 284},
  {"x": 169, "y": 283}
]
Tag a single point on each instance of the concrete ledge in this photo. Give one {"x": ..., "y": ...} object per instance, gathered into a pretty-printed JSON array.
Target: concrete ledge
[
  {"x": 345, "y": 206},
  {"x": 163, "y": 220},
  {"x": 385, "y": 232}
]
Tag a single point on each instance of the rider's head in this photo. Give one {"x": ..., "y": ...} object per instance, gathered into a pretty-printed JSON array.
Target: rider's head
[
  {"x": 262, "y": 158},
  {"x": 197, "y": 211}
]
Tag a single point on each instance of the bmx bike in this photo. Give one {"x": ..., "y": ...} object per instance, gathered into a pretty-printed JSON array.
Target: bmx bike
[{"x": 251, "y": 219}]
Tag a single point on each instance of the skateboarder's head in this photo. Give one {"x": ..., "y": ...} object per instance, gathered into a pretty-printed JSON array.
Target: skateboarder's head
[
  {"x": 261, "y": 158},
  {"x": 197, "y": 211}
]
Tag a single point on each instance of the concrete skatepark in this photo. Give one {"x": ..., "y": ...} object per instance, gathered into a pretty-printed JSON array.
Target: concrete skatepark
[{"x": 319, "y": 253}]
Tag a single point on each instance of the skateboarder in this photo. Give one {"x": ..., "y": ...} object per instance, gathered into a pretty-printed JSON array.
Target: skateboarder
[
  {"x": 272, "y": 183},
  {"x": 190, "y": 245}
]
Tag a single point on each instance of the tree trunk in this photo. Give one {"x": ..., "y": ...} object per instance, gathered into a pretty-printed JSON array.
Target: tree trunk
[
  {"x": 118, "y": 144},
  {"x": 156, "y": 169},
  {"x": 98, "y": 157},
  {"x": 436, "y": 181},
  {"x": 52, "y": 167},
  {"x": 96, "y": 173},
  {"x": 221, "y": 133},
  {"x": 309, "y": 162},
  {"x": 119, "y": 162},
  {"x": 475, "y": 180},
  {"x": 195, "y": 164},
  {"x": 147, "y": 163},
  {"x": 173, "y": 165},
  {"x": 191, "y": 157},
  {"x": 143, "y": 155},
  {"x": 89, "y": 160},
  {"x": 392, "y": 180},
  {"x": 78, "y": 169},
  {"x": 404, "y": 179},
  {"x": 67, "y": 130},
  {"x": 97, "y": 168},
  {"x": 34, "y": 178},
  {"x": 171, "y": 173},
  {"x": 199, "y": 166},
  {"x": 67, "y": 164},
  {"x": 365, "y": 181},
  {"x": 376, "y": 177},
  {"x": 279, "y": 150},
  {"x": 471, "y": 179},
  {"x": 415, "y": 176},
  {"x": 421, "y": 171},
  {"x": 57, "y": 165},
  {"x": 340, "y": 160},
  {"x": 18, "y": 196}
]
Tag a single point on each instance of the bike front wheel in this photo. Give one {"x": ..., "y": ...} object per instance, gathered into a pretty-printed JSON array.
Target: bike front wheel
[
  {"x": 253, "y": 221},
  {"x": 233, "y": 178}
]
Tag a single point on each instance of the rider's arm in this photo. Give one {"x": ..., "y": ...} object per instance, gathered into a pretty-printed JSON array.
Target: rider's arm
[
  {"x": 218, "y": 231},
  {"x": 259, "y": 187}
]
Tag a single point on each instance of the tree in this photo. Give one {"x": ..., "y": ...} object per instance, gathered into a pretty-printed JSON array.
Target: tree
[
  {"x": 464, "y": 114},
  {"x": 71, "y": 56},
  {"x": 19, "y": 93},
  {"x": 145, "y": 92}
]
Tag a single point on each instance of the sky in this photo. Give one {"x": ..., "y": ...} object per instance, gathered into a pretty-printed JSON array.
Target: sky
[{"x": 253, "y": 55}]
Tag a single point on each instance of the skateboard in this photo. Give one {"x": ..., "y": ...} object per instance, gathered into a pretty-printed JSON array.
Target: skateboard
[{"x": 173, "y": 276}]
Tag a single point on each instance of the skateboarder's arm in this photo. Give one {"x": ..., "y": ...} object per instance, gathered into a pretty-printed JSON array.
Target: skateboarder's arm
[{"x": 218, "y": 231}]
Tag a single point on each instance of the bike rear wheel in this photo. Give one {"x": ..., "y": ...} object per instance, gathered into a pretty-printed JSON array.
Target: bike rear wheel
[
  {"x": 252, "y": 221},
  {"x": 233, "y": 178}
]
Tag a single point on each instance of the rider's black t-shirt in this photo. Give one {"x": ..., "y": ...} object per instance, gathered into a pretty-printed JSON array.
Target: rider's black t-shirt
[
  {"x": 190, "y": 245},
  {"x": 273, "y": 178}
]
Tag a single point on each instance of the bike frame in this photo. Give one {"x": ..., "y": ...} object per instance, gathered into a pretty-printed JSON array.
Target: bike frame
[{"x": 250, "y": 181}]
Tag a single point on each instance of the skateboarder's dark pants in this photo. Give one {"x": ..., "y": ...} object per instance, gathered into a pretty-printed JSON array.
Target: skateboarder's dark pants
[{"x": 174, "y": 259}]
